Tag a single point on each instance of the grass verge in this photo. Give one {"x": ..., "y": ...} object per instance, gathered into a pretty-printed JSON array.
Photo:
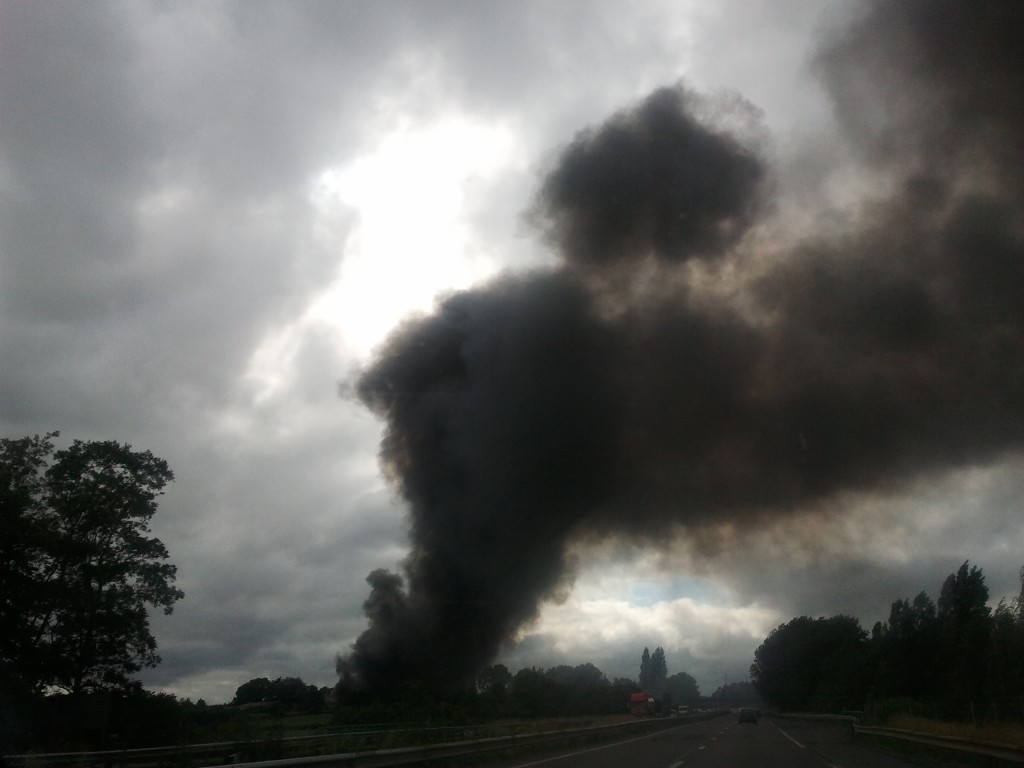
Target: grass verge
[{"x": 990, "y": 733}]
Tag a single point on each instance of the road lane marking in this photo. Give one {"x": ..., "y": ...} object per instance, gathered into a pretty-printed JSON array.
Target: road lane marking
[
  {"x": 681, "y": 762},
  {"x": 830, "y": 763},
  {"x": 682, "y": 759},
  {"x": 792, "y": 739}
]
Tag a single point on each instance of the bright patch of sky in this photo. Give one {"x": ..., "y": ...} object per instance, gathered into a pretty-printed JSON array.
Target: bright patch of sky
[
  {"x": 617, "y": 608},
  {"x": 396, "y": 219},
  {"x": 409, "y": 242}
]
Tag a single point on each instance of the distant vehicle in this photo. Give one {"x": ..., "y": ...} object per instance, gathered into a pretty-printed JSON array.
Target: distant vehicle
[
  {"x": 646, "y": 705},
  {"x": 748, "y": 715},
  {"x": 641, "y": 705}
]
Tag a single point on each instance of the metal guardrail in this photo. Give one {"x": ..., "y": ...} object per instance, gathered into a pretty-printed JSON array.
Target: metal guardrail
[
  {"x": 413, "y": 755},
  {"x": 1001, "y": 751},
  {"x": 349, "y": 739},
  {"x": 383, "y": 758},
  {"x": 985, "y": 749}
]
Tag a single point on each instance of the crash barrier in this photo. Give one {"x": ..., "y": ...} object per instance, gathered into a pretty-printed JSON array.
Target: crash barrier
[
  {"x": 202, "y": 755},
  {"x": 1000, "y": 751},
  {"x": 1005, "y": 752}
]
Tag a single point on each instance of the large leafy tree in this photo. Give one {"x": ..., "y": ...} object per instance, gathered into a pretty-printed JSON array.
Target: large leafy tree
[
  {"x": 494, "y": 680},
  {"x": 812, "y": 664},
  {"x": 683, "y": 687},
  {"x": 581, "y": 676},
  {"x": 78, "y": 569}
]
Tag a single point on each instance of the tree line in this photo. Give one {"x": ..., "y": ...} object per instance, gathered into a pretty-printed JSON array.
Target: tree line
[
  {"x": 532, "y": 692},
  {"x": 560, "y": 691},
  {"x": 131, "y": 717},
  {"x": 953, "y": 658},
  {"x": 79, "y": 572},
  {"x": 283, "y": 694}
]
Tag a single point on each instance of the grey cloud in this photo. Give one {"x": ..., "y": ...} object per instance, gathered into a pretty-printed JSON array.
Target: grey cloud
[{"x": 163, "y": 205}]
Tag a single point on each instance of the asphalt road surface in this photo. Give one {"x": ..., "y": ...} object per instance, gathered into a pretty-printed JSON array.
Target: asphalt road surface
[{"x": 725, "y": 743}]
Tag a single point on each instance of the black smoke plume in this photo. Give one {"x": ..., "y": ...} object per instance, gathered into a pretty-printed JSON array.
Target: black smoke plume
[{"x": 680, "y": 370}]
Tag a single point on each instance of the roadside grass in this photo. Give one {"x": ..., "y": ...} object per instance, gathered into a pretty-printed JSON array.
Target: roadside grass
[
  {"x": 992, "y": 733},
  {"x": 300, "y": 725},
  {"x": 540, "y": 725},
  {"x": 264, "y": 735},
  {"x": 256, "y": 726}
]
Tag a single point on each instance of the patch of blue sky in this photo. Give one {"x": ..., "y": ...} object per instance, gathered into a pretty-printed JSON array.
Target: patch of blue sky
[{"x": 648, "y": 593}]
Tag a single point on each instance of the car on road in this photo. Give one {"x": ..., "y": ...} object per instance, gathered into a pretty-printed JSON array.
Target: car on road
[{"x": 748, "y": 715}]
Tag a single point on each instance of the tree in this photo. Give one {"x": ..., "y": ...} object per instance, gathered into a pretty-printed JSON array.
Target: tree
[
  {"x": 964, "y": 627},
  {"x": 254, "y": 691},
  {"x": 533, "y": 694},
  {"x": 492, "y": 685},
  {"x": 1006, "y": 654},
  {"x": 23, "y": 532},
  {"x": 77, "y": 567},
  {"x": 653, "y": 670},
  {"x": 582, "y": 675},
  {"x": 1018, "y": 602},
  {"x": 964, "y": 595},
  {"x": 905, "y": 649},
  {"x": 494, "y": 680},
  {"x": 812, "y": 664},
  {"x": 735, "y": 695},
  {"x": 683, "y": 687}
]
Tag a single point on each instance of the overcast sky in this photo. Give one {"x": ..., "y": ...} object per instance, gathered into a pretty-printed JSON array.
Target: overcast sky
[{"x": 211, "y": 215}]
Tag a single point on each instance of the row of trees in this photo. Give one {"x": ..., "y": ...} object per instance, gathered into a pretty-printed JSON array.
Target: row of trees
[
  {"x": 131, "y": 717},
  {"x": 655, "y": 679},
  {"x": 558, "y": 691},
  {"x": 954, "y": 658},
  {"x": 562, "y": 690},
  {"x": 285, "y": 694}
]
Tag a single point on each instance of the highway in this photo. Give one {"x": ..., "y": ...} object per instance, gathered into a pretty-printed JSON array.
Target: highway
[{"x": 725, "y": 743}]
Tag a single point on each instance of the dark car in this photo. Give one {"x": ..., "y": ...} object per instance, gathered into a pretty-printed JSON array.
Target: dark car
[{"x": 748, "y": 716}]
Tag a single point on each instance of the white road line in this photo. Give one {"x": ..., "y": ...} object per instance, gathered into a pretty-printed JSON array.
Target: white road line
[
  {"x": 830, "y": 765},
  {"x": 682, "y": 760},
  {"x": 792, "y": 739}
]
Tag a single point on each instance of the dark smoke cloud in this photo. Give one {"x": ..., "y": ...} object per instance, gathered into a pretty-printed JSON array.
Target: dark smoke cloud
[
  {"x": 650, "y": 181},
  {"x": 933, "y": 83},
  {"x": 498, "y": 411},
  {"x": 528, "y": 414}
]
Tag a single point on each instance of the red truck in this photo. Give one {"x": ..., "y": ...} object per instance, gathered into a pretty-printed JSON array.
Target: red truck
[{"x": 641, "y": 705}]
